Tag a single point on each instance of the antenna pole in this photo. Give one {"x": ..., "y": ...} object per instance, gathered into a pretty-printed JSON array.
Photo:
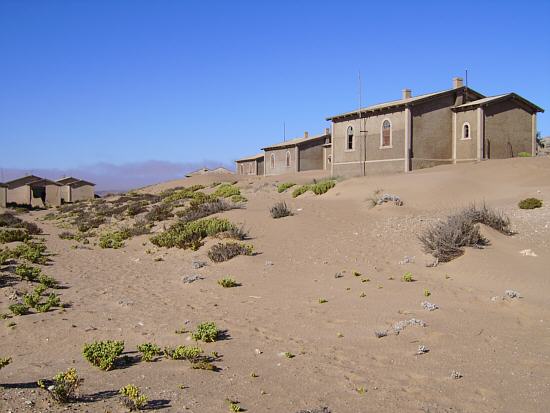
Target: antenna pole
[{"x": 466, "y": 78}]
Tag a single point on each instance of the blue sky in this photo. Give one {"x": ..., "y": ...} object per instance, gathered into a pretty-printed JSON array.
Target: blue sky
[{"x": 117, "y": 82}]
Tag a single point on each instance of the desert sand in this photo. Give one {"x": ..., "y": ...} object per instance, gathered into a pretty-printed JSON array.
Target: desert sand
[{"x": 499, "y": 345}]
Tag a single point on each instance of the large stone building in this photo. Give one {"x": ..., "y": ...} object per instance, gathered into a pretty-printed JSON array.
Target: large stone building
[
  {"x": 301, "y": 154},
  {"x": 73, "y": 189},
  {"x": 455, "y": 125},
  {"x": 34, "y": 191}
]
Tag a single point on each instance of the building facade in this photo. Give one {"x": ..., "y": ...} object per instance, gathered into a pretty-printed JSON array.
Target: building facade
[
  {"x": 74, "y": 190},
  {"x": 455, "y": 125},
  {"x": 33, "y": 191},
  {"x": 252, "y": 165}
]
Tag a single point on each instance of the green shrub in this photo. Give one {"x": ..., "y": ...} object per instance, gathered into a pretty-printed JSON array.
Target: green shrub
[
  {"x": 300, "y": 190},
  {"x": 12, "y": 235},
  {"x": 203, "y": 365},
  {"x": 32, "y": 252},
  {"x": 190, "y": 353},
  {"x": 176, "y": 194},
  {"x": 132, "y": 397},
  {"x": 114, "y": 239},
  {"x": 158, "y": 213},
  {"x": 322, "y": 187},
  {"x": 225, "y": 251},
  {"x": 226, "y": 191},
  {"x": 207, "y": 332},
  {"x": 103, "y": 354},
  {"x": 18, "y": 309},
  {"x": 28, "y": 272},
  {"x": 65, "y": 384},
  {"x": 228, "y": 282},
  {"x": 148, "y": 351},
  {"x": 238, "y": 198},
  {"x": 53, "y": 300},
  {"x": 524, "y": 154},
  {"x": 280, "y": 210},
  {"x": 407, "y": 277},
  {"x": 4, "y": 361},
  {"x": 190, "y": 234},
  {"x": 47, "y": 281},
  {"x": 530, "y": 203},
  {"x": 284, "y": 186},
  {"x": 32, "y": 300}
]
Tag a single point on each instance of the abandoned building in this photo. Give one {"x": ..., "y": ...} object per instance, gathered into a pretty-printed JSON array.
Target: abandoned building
[
  {"x": 3, "y": 195},
  {"x": 34, "y": 191},
  {"x": 73, "y": 189},
  {"x": 301, "y": 154},
  {"x": 252, "y": 165},
  {"x": 454, "y": 125}
]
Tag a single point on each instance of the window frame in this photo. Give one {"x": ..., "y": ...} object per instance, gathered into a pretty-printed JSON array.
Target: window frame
[
  {"x": 382, "y": 146},
  {"x": 462, "y": 137},
  {"x": 272, "y": 161},
  {"x": 347, "y": 148},
  {"x": 288, "y": 159}
]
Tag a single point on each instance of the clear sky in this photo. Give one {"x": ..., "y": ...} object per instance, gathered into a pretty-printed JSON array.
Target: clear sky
[{"x": 118, "y": 82}]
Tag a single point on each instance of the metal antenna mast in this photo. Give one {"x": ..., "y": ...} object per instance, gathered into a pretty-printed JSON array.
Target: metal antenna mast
[
  {"x": 466, "y": 78},
  {"x": 362, "y": 128}
]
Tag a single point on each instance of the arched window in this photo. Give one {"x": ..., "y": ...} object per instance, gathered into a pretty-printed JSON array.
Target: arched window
[
  {"x": 272, "y": 161},
  {"x": 466, "y": 131},
  {"x": 349, "y": 139},
  {"x": 385, "y": 134},
  {"x": 287, "y": 158}
]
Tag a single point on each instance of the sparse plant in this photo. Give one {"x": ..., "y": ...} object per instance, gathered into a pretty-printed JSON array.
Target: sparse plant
[
  {"x": 280, "y": 210},
  {"x": 66, "y": 235},
  {"x": 203, "y": 365},
  {"x": 322, "y": 187},
  {"x": 135, "y": 208},
  {"x": 12, "y": 235},
  {"x": 323, "y": 301},
  {"x": 4, "y": 361},
  {"x": 530, "y": 203},
  {"x": 190, "y": 234},
  {"x": 225, "y": 251},
  {"x": 114, "y": 239},
  {"x": 28, "y": 272},
  {"x": 207, "y": 332},
  {"x": 201, "y": 210},
  {"x": 288, "y": 355},
  {"x": 427, "y": 292},
  {"x": 228, "y": 282},
  {"x": 33, "y": 252},
  {"x": 226, "y": 191},
  {"x": 191, "y": 353},
  {"x": 234, "y": 406},
  {"x": 524, "y": 154},
  {"x": 103, "y": 354},
  {"x": 65, "y": 384},
  {"x": 284, "y": 186},
  {"x": 407, "y": 277},
  {"x": 133, "y": 399},
  {"x": 158, "y": 213},
  {"x": 47, "y": 281},
  {"x": 300, "y": 190},
  {"x": 18, "y": 309},
  {"x": 149, "y": 351}
]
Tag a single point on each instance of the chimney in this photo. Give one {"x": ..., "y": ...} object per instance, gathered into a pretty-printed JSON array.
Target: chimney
[
  {"x": 306, "y": 134},
  {"x": 457, "y": 82},
  {"x": 407, "y": 94}
]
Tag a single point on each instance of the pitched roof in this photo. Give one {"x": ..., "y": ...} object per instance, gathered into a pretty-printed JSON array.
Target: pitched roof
[
  {"x": 251, "y": 158},
  {"x": 498, "y": 98},
  {"x": 67, "y": 180},
  {"x": 42, "y": 182},
  {"x": 24, "y": 180},
  {"x": 404, "y": 102},
  {"x": 78, "y": 183},
  {"x": 295, "y": 142},
  {"x": 3, "y": 185}
]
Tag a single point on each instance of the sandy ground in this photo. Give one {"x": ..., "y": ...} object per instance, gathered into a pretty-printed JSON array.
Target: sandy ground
[{"x": 500, "y": 346}]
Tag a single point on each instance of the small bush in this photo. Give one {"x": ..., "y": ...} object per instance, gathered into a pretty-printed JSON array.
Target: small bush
[
  {"x": 148, "y": 351},
  {"x": 53, "y": 300},
  {"x": 226, "y": 191},
  {"x": 207, "y": 332},
  {"x": 228, "y": 282},
  {"x": 190, "y": 353},
  {"x": 114, "y": 239},
  {"x": 4, "y": 361},
  {"x": 13, "y": 235},
  {"x": 159, "y": 213},
  {"x": 86, "y": 223},
  {"x": 135, "y": 208},
  {"x": 284, "y": 186},
  {"x": 203, "y": 365},
  {"x": 238, "y": 199},
  {"x": 11, "y": 221},
  {"x": 322, "y": 187},
  {"x": 103, "y": 354},
  {"x": 524, "y": 154},
  {"x": 32, "y": 252},
  {"x": 18, "y": 309},
  {"x": 28, "y": 272},
  {"x": 407, "y": 277},
  {"x": 132, "y": 397},
  {"x": 66, "y": 235},
  {"x": 65, "y": 384},
  {"x": 300, "y": 190},
  {"x": 530, "y": 203},
  {"x": 202, "y": 210},
  {"x": 225, "y": 251},
  {"x": 140, "y": 227},
  {"x": 190, "y": 234},
  {"x": 280, "y": 210}
]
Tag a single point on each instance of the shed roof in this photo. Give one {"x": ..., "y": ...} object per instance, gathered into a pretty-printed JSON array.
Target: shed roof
[
  {"x": 295, "y": 142},
  {"x": 43, "y": 182},
  {"x": 405, "y": 102},
  {"x": 24, "y": 180},
  {"x": 498, "y": 98},
  {"x": 3, "y": 185},
  {"x": 74, "y": 182},
  {"x": 67, "y": 180},
  {"x": 251, "y": 158}
]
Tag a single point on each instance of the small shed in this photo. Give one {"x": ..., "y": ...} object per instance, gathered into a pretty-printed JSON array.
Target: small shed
[
  {"x": 252, "y": 165},
  {"x": 74, "y": 189},
  {"x": 33, "y": 191}
]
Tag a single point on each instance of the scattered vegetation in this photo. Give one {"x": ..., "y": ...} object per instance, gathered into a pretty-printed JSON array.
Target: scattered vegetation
[
  {"x": 114, "y": 239},
  {"x": 149, "y": 351},
  {"x": 11, "y": 221},
  {"x": 18, "y": 309},
  {"x": 524, "y": 154},
  {"x": 190, "y": 234},
  {"x": 284, "y": 186},
  {"x": 446, "y": 239},
  {"x": 228, "y": 282},
  {"x": 280, "y": 210},
  {"x": 530, "y": 203},
  {"x": 64, "y": 386},
  {"x": 12, "y": 235},
  {"x": 225, "y": 251},
  {"x": 238, "y": 199},
  {"x": 407, "y": 277},
  {"x": 132, "y": 397},
  {"x": 33, "y": 252},
  {"x": 159, "y": 213},
  {"x": 226, "y": 191},
  {"x": 103, "y": 354},
  {"x": 4, "y": 361},
  {"x": 207, "y": 332},
  {"x": 28, "y": 272},
  {"x": 201, "y": 210},
  {"x": 189, "y": 353},
  {"x": 318, "y": 188}
]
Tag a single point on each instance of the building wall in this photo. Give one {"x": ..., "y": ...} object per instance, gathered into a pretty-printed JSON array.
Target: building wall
[
  {"x": 378, "y": 160},
  {"x": 508, "y": 130},
  {"x": 279, "y": 166},
  {"x": 53, "y": 195},
  {"x": 65, "y": 192},
  {"x": 21, "y": 195},
  {"x": 311, "y": 155},
  {"x": 3, "y": 196},
  {"x": 246, "y": 168},
  {"x": 260, "y": 166},
  {"x": 431, "y": 140},
  {"x": 466, "y": 149},
  {"x": 82, "y": 193},
  {"x": 327, "y": 157}
]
